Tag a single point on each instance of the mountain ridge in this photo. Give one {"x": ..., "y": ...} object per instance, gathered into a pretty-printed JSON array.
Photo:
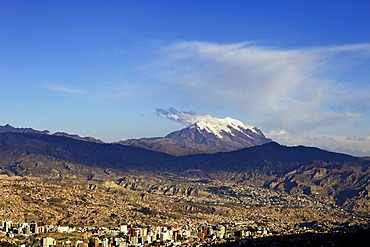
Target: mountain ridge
[{"x": 9, "y": 128}]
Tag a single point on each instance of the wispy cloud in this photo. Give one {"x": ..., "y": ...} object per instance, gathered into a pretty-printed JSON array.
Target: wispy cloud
[
  {"x": 185, "y": 118},
  {"x": 103, "y": 91},
  {"x": 282, "y": 89},
  {"x": 64, "y": 89},
  {"x": 119, "y": 91},
  {"x": 288, "y": 93}
]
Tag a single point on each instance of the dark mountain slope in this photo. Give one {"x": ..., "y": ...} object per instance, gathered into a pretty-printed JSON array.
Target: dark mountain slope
[
  {"x": 123, "y": 157},
  {"x": 272, "y": 154},
  {"x": 67, "y": 149},
  {"x": 294, "y": 170}
]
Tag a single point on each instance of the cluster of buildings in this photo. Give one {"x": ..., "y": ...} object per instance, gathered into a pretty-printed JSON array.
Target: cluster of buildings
[
  {"x": 123, "y": 236},
  {"x": 24, "y": 228},
  {"x": 175, "y": 236}
]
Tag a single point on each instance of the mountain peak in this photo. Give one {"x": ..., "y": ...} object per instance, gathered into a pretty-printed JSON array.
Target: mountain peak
[
  {"x": 208, "y": 135},
  {"x": 226, "y": 125}
]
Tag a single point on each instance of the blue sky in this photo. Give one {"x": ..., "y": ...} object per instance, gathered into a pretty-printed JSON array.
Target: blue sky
[{"x": 299, "y": 70}]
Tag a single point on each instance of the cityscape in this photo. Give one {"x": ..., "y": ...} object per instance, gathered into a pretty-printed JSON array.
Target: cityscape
[{"x": 88, "y": 220}]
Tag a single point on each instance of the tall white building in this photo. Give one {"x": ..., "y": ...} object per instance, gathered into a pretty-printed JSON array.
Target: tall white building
[
  {"x": 123, "y": 229},
  {"x": 48, "y": 242}
]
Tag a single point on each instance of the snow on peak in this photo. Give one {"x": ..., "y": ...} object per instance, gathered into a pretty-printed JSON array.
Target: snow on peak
[
  {"x": 218, "y": 125},
  {"x": 205, "y": 121}
]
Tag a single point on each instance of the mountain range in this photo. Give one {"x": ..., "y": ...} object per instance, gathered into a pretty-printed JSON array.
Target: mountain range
[
  {"x": 294, "y": 170},
  {"x": 222, "y": 135}
]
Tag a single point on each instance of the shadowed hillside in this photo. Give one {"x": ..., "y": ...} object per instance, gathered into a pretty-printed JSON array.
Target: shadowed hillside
[{"x": 295, "y": 170}]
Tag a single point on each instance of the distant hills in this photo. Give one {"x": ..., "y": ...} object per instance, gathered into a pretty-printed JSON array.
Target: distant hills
[
  {"x": 9, "y": 128},
  {"x": 295, "y": 170}
]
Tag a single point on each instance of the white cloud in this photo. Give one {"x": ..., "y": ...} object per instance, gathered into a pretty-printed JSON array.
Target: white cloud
[
  {"x": 187, "y": 118},
  {"x": 272, "y": 87}
]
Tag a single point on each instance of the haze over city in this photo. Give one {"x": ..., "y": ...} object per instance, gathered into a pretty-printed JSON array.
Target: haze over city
[{"x": 115, "y": 70}]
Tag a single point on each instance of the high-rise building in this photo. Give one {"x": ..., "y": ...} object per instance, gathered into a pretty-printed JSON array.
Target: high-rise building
[
  {"x": 33, "y": 227},
  {"x": 135, "y": 232},
  {"x": 123, "y": 229},
  {"x": 144, "y": 232},
  {"x": 48, "y": 242},
  {"x": 134, "y": 240},
  {"x": 222, "y": 230},
  {"x": 7, "y": 225},
  {"x": 27, "y": 230}
]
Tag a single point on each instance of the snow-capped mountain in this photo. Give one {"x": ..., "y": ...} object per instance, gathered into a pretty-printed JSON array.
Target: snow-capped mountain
[
  {"x": 215, "y": 135},
  {"x": 228, "y": 134}
]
